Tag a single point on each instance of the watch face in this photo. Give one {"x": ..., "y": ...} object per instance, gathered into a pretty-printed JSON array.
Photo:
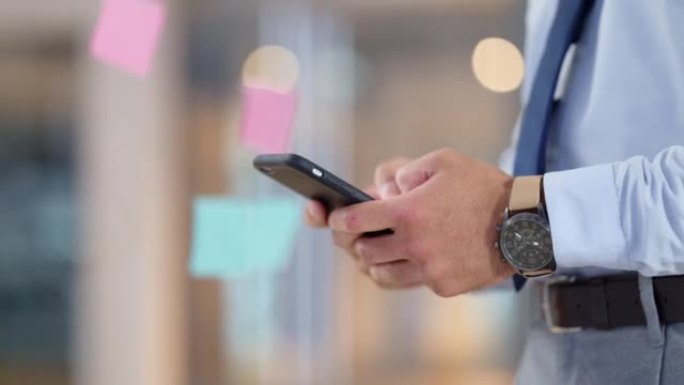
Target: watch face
[{"x": 526, "y": 242}]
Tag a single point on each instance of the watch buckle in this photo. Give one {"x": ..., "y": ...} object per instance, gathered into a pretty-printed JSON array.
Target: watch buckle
[{"x": 549, "y": 313}]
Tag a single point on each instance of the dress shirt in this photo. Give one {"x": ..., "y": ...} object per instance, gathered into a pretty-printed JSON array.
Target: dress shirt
[{"x": 615, "y": 160}]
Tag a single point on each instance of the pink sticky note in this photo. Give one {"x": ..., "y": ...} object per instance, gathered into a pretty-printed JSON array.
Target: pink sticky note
[
  {"x": 127, "y": 34},
  {"x": 267, "y": 119}
]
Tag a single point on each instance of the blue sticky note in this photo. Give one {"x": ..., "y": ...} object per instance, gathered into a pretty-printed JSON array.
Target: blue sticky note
[{"x": 234, "y": 238}]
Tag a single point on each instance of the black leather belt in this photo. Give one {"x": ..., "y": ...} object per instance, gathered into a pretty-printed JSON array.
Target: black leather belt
[{"x": 608, "y": 303}]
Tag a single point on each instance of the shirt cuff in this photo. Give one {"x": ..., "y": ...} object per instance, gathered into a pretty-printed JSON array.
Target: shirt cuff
[{"x": 586, "y": 231}]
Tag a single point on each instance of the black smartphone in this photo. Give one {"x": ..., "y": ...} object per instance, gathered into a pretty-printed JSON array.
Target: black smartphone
[{"x": 312, "y": 181}]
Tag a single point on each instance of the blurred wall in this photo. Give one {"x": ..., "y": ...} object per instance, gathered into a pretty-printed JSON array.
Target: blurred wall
[{"x": 100, "y": 170}]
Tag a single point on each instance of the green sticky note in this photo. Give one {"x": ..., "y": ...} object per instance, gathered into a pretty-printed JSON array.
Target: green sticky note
[{"x": 234, "y": 238}]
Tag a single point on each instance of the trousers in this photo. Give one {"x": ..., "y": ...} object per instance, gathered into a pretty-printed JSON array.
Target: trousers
[{"x": 639, "y": 355}]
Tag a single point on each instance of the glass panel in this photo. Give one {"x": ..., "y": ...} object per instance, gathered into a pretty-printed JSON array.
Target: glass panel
[
  {"x": 374, "y": 82},
  {"x": 268, "y": 300},
  {"x": 38, "y": 206}
]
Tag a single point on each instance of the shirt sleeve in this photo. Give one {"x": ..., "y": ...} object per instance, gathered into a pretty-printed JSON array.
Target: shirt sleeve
[{"x": 627, "y": 215}]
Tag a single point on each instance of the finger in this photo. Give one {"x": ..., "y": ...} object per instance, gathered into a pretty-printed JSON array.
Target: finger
[
  {"x": 372, "y": 191},
  {"x": 345, "y": 240},
  {"x": 389, "y": 190},
  {"x": 396, "y": 275},
  {"x": 361, "y": 266},
  {"x": 379, "y": 250},
  {"x": 365, "y": 217},
  {"x": 316, "y": 214},
  {"x": 384, "y": 177},
  {"x": 414, "y": 174}
]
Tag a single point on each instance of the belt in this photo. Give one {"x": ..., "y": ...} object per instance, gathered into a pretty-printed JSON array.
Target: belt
[{"x": 606, "y": 303}]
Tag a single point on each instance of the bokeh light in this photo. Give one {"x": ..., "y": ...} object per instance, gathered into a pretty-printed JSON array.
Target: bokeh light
[
  {"x": 271, "y": 67},
  {"x": 136, "y": 238},
  {"x": 498, "y": 64}
]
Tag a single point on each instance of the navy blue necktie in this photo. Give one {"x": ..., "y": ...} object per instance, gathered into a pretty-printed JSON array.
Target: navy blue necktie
[{"x": 534, "y": 125}]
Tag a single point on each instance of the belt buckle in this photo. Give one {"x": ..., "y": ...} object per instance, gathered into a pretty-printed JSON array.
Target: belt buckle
[{"x": 551, "y": 322}]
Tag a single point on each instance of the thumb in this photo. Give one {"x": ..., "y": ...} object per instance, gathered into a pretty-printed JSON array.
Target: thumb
[
  {"x": 415, "y": 174},
  {"x": 384, "y": 178}
]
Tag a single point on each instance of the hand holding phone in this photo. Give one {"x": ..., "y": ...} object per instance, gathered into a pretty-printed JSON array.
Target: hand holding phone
[{"x": 312, "y": 181}]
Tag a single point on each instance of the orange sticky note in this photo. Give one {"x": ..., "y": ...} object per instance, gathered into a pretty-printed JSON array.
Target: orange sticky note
[{"x": 267, "y": 119}]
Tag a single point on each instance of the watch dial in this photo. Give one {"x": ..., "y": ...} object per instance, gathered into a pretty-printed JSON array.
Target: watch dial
[{"x": 526, "y": 242}]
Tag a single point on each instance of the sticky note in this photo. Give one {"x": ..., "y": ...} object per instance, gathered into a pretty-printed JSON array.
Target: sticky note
[
  {"x": 127, "y": 34},
  {"x": 267, "y": 119},
  {"x": 234, "y": 238}
]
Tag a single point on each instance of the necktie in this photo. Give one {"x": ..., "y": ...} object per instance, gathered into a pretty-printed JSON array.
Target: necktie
[{"x": 531, "y": 151}]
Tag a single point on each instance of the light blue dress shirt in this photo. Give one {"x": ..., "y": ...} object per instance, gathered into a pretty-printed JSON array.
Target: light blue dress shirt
[{"x": 615, "y": 187}]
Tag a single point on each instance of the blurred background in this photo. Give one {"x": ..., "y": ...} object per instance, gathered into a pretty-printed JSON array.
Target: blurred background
[{"x": 127, "y": 198}]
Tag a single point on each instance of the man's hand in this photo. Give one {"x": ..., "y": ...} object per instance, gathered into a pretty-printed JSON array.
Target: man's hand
[
  {"x": 384, "y": 186},
  {"x": 444, "y": 215}
]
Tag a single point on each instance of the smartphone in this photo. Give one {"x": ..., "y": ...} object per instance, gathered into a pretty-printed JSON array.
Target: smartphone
[{"x": 312, "y": 181}]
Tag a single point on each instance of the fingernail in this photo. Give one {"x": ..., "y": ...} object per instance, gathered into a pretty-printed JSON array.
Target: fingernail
[
  {"x": 378, "y": 275},
  {"x": 373, "y": 273},
  {"x": 388, "y": 190},
  {"x": 333, "y": 220},
  {"x": 310, "y": 214}
]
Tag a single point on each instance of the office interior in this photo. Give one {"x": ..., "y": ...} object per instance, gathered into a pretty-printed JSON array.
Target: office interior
[{"x": 101, "y": 172}]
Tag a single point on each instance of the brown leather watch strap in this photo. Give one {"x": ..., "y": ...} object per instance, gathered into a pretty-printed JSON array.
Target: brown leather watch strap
[{"x": 525, "y": 193}]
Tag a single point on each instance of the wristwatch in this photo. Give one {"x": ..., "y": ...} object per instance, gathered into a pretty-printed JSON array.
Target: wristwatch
[{"x": 525, "y": 236}]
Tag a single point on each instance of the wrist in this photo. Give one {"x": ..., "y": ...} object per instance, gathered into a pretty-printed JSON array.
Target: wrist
[
  {"x": 501, "y": 268},
  {"x": 525, "y": 236}
]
